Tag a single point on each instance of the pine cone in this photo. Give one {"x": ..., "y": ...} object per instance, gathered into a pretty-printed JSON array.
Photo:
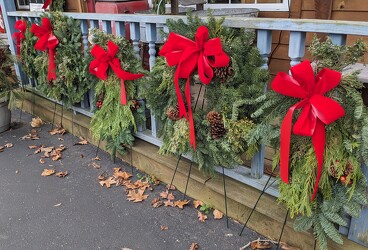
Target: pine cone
[
  {"x": 333, "y": 172},
  {"x": 217, "y": 128},
  {"x": 223, "y": 72},
  {"x": 349, "y": 168},
  {"x": 173, "y": 113},
  {"x": 214, "y": 117}
]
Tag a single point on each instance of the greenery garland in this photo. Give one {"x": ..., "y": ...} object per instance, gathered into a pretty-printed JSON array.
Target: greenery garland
[
  {"x": 72, "y": 75},
  {"x": 113, "y": 121},
  {"x": 343, "y": 187},
  {"x": 222, "y": 110}
]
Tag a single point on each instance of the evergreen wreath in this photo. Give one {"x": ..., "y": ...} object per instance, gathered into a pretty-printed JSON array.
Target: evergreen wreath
[
  {"x": 72, "y": 79},
  {"x": 222, "y": 110},
  {"x": 113, "y": 121},
  {"x": 343, "y": 186}
]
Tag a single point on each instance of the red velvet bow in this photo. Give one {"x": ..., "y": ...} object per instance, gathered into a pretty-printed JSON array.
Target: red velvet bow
[
  {"x": 317, "y": 111},
  {"x": 46, "y": 4},
  {"x": 189, "y": 55},
  {"x": 20, "y": 25},
  {"x": 105, "y": 59},
  {"x": 46, "y": 40}
]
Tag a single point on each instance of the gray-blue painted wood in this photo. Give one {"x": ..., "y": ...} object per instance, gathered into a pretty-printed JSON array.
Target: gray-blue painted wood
[
  {"x": 135, "y": 35},
  {"x": 151, "y": 36},
  {"x": 94, "y": 24},
  {"x": 106, "y": 26},
  {"x": 338, "y": 39},
  {"x": 296, "y": 47},
  {"x": 264, "y": 43},
  {"x": 84, "y": 30},
  {"x": 358, "y": 230},
  {"x": 257, "y": 163},
  {"x": 120, "y": 28}
]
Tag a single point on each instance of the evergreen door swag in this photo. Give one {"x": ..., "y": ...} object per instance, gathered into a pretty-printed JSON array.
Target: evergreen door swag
[{"x": 188, "y": 55}]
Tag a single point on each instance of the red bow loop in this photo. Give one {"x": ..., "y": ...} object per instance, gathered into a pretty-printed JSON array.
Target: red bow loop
[
  {"x": 47, "y": 41},
  {"x": 20, "y": 25},
  {"x": 317, "y": 111},
  {"x": 105, "y": 59},
  {"x": 189, "y": 55}
]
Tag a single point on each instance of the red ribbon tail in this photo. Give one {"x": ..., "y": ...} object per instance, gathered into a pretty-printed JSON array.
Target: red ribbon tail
[
  {"x": 51, "y": 75},
  {"x": 319, "y": 140},
  {"x": 182, "y": 110},
  {"x": 188, "y": 96},
  {"x": 285, "y": 144},
  {"x": 123, "y": 99},
  {"x": 46, "y": 4}
]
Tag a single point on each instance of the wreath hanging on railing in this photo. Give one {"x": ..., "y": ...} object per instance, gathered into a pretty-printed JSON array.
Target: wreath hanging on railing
[
  {"x": 323, "y": 141},
  {"x": 202, "y": 90},
  {"x": 52, "y": 54},
  {"x": 117, "y": 111}
]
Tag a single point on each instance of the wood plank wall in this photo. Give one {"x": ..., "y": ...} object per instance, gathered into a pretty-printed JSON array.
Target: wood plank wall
[{"x": 353, "y": 10}]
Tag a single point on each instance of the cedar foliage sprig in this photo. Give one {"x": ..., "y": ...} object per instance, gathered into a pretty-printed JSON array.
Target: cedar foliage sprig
[
  {"x": 115, "y": 122},
  {"x": 346, "y": 147},
  {"x": 222, "y": 96}
]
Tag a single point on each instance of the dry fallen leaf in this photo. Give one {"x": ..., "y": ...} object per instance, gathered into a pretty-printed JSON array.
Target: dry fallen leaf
[
  {"x": 57, "y": 205},
  {"x": 181, "y": 203},
  {"x": 58, "y": 130},
  {"x": 56, "y": 157},
  {"x": 60, "y": 139},
  {"x": 217, "y": 214},
  {"x": 201, "y": 216},
  {"x": 96, "y": 158},
  {"x": 82, "y": 141},
  {"x": 102, "y": 176},
  {"x": 137, "y": 195},
  {"x": 156, "y": 202},
  {"x": 122, "y": 175},
  {"x": 36, "y": 122},
  {"x": 257, "y": 244},
  {"x": 48, "y": 172},
  {"x": 172, "y": 187},
  {"x": 42, "y": 161},
  {"x": 142, "y": 184},
  {"x": 9, "y": 145},
  {"x": 61, "y": 174},
  {"x": 169, "y": 203},
  {"x": 198, "y": 203},
  {"x": 2, "y": 148},
  {"x": 155, "y": 180},
  {"x": 32, "y": 146},
  {"x": 17, "y": 171},
  {"x": 194, "y": 246},
  {"x": 94, "y": 165},
  {"x": 108, "y": 182},
  {"x": 163, "y": 228}
]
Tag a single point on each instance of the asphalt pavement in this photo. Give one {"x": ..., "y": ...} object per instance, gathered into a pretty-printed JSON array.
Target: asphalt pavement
[{"x": 76, "y": 212}]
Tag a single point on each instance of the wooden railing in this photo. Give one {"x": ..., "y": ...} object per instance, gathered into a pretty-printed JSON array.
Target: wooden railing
[{"x": 145, "y": 28}]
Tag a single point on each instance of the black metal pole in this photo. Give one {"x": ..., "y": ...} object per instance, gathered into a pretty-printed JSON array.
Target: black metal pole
[
  {"x": 255, "y": 205},
  {"x": 98, "y": 147},
  {"x": 282, "y": 230},
  {"x": 186, "y": 185},
  {"x": 225, "y": 195},
  {"x": 53, "y": 117},
  {"x": 176, "y": 168},
  {"x": 131, "y": 159}
]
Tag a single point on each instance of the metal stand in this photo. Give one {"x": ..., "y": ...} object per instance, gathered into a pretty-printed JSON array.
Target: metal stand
[
  {"x": 53, "y": 117},
  {"x": 98, "y": 147},
  {"x": 131, "y": 159},
  {"x": 282, "y": 230},
  {"x": 62, "y": 115},
  {"x": 176, "y": 168},
  {"x": 255, "y": 205},
  {"x": 186, "y": 185},
  {"x": 225, "y": 196}
]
